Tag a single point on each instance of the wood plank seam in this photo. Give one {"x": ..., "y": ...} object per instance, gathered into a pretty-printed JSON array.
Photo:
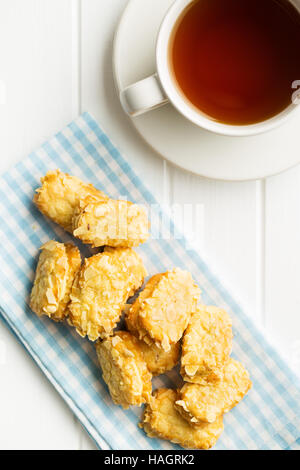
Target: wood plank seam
[{"x": 261, "y": 250}]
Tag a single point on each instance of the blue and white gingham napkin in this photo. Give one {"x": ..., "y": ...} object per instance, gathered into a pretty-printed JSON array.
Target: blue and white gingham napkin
[{"x": 268, "y": 418}]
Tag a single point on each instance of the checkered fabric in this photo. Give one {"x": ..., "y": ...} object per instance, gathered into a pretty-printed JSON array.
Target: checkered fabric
[{"x": 268, "y": 418}]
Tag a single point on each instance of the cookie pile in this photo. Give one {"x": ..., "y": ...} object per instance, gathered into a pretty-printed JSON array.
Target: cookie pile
[{"x": 164, "y": 324}]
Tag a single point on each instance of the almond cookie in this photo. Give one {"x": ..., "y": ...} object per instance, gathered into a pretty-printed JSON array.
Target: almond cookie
[
  {"x": 55, "y": 273},
  {"x": 60, "y": 195},
  {"x": 206, "y": 345},
  {"x": 159, "y": 361},
  {"x": 124, "y": 369},
  {"x": 162, "y": 420},
  {"x": 205, "y": 403},
  {"x": 101, "y": 288},
  {"x": 162, "y": 311},
  {"x": 113, "y": 223}
]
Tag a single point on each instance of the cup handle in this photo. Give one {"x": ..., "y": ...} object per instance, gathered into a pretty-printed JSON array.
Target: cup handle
[{"x": 143, "y": 96}]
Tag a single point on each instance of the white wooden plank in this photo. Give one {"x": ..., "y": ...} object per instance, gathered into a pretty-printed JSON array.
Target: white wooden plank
[
  {"x": 98, "y": 93},
  {"x": 283, "y": 262},
  {"x": 36, "y": 68},
  {"x": 224, "y": 222},
  {"x": 33, "y": 415}
]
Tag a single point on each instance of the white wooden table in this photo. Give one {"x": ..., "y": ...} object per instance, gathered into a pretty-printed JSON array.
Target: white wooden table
[{"x": 55, "y": 62}]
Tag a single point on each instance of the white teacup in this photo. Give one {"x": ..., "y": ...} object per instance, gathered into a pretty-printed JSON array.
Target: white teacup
[{"x": 160, "y": 88}]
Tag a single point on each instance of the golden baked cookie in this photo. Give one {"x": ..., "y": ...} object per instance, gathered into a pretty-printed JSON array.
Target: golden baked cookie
[
  {"x": 162, "y": 311},
  {"x": 124, "y": 369},
  {"x": 55, "y": 273},
  {"x": 101, "y": 289},
  {"x": 60, "y": 195},
  {"x": 132, "y": 311},
  {"x": 206, "y": 345},
  {"x": 205, "y": 403},
  {"x": 113, "y": 223},
  {"x": 162, "y": 420},
  {"x": 159, "y": 361}
]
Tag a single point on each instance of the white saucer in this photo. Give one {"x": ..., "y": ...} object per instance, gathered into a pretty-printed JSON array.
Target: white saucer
[{"x": 175, "y": 138}]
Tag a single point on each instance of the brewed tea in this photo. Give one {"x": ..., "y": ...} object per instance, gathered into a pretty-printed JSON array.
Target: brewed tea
[{"x": 236, "y": 60}]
